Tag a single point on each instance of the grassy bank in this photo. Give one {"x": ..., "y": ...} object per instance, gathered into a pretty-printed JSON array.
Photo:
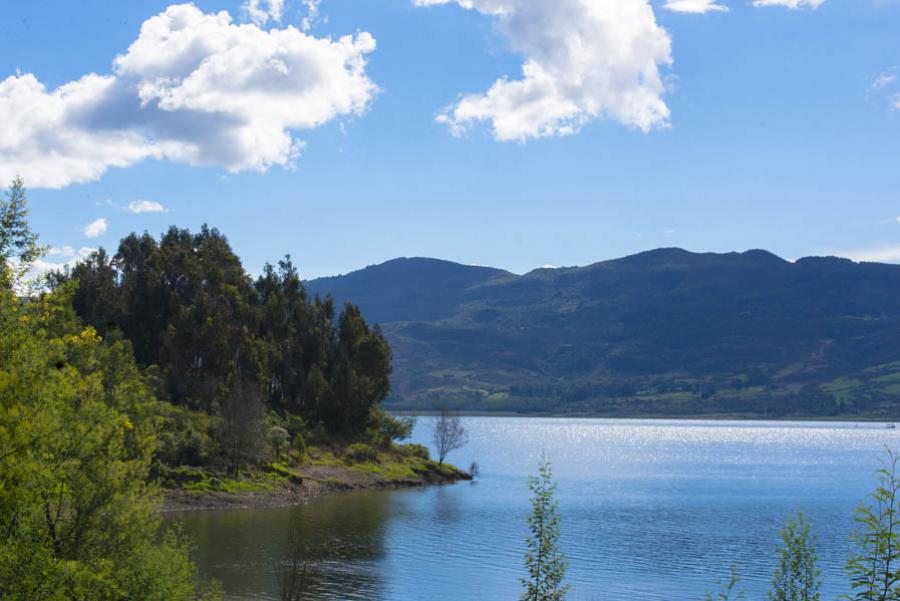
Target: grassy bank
[{"x": 322, "y": 469}]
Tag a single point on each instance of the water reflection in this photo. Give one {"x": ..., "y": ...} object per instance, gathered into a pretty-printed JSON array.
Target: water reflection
[{"x": 338, "y": 542}]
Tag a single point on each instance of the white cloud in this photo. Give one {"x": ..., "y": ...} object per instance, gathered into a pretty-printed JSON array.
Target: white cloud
[
  {"x": 261, "y": 11},
  {"x": 146, "y": 206},
  {"x": 312, "y": 14},
  {"x": 883, "y": 80},
  {"x": 57, "y": 259},
  {"x": 583, "y": 60},
  {"x": 95, "y": 228},
  {"x": 695, "y": 6},
  {"x": 890, "y": 254},
  {"x": 792, "y": 4},
  {"x": 896, "y": 102},
  {"x": 193, "y": 88}
]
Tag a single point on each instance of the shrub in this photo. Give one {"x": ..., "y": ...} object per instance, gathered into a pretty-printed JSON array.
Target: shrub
[
  {"x": 359, "y": 452},
  {"x": 384, "y": 428},
  {"x": 415, "y": 450},
  {"x": 278, "y": 439},
  {"x": 295, "y": 424},
  {"x": 298, "y": 444},
  {"x": 183, "y": 436}
]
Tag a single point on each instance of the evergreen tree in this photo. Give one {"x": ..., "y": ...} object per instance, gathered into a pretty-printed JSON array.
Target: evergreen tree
[
  {"x": 363, "y": 365},
  {"x": 189, "y": 309},
  {"x": 18, "y": 244},
  {"x": 288, "y": 330},
  {"x": 797, "y": 577},
  {"x": 544, "y": 561}
]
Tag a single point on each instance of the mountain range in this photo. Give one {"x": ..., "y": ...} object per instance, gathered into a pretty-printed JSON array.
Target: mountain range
[{"x": 665, "y": 332}]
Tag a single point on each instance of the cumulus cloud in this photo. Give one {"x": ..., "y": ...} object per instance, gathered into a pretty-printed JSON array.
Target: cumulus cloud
[
  {"x": 583, "y": 60},
  {"x": 146, "y": 206},
  {"x": 194, "y": 88},
  {"x": 95, "y": 228},
  {"x": 695, "y": 6},
  {"x": 792, "y": 4},
  {"x": 261, "y": 11},
  {"x": 56, "y": 259}
]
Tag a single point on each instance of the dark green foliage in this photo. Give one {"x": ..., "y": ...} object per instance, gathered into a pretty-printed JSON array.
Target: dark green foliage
[
  {"x": 362, "y": 367},
  {"x": 184, "y": 436},
  {"x": 544, "y": 561},
  {"x": 875, "y": 569},
  {"x": 196, "y": 319},
  {"x": 241, "y": 431},
  {"x": 662, "y": 332},
  {"x": 797, "y": 577},
  {"x": 384, "y": 428}
]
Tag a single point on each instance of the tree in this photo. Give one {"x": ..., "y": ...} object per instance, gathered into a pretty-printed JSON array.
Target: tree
[
  {"x": 18, "y": 244},
  {"x": 875, "y": 569},
  {"x": 241, "y": 432},
  {"x": 448, "y": 433},
  {"x": 362, "y": 371},
  {"x": 78, "y": 519},
  {"x": 796, "y": 578},
  {"x": 189, "y": 308},
  {"x": 544, "y": 561},
  {"x": 728, "y": 590}
]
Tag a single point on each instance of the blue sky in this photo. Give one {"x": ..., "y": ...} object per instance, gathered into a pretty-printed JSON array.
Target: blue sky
[{"x": 769, "y": 127}]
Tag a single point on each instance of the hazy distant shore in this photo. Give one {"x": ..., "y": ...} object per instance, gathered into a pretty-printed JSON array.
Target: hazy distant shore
[{"x": 709, "y": 417}]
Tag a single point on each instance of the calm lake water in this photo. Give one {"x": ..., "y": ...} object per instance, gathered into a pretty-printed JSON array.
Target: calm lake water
[{"x": 651, "y": 509}]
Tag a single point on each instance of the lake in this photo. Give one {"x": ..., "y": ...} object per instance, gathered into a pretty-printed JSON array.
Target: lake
[{"x": 651, "y": 509}]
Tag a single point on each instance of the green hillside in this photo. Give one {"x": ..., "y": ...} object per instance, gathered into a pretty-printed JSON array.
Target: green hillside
[{"x": 665, "y": 332}]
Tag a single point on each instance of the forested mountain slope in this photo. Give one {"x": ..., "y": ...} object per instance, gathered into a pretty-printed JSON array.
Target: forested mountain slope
[{"x": 662, "y": 332}]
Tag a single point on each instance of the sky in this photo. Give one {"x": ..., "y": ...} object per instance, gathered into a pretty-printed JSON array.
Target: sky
[{"x": 510, "y": 133}]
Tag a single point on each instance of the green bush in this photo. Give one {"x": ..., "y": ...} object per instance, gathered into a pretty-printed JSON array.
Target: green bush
[
  {"x": 183, "y": 436},
  {"x": 278, "y": 439},
  {"x": 360, "y": 452},
  {"x": 384, "y": 428},
  {"x": 294, "y": 424},
  {"x": 415, "y": 450}
]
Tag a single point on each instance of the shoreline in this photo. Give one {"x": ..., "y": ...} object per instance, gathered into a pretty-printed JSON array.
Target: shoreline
[
  {"x": 314, "y": 481},
  {"x": 737, "y": 417}
]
